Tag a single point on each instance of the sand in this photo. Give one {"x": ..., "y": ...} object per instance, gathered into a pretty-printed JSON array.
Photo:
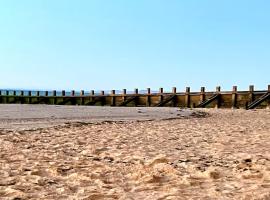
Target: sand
[
  {"x": 223, "y": 154},
  {"x": 25, "y": 117}
]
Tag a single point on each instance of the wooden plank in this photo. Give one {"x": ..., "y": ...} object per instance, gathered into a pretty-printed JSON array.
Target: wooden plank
[
  {"x": 128, "y": 100},
  {"x": 258, "y": 101},
  {"x": 208, "y": 101},
  {"x": 166, "y": 100}
]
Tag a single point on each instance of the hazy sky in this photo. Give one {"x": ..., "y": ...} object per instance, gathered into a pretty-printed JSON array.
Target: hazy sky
[{"x": 115, "y": 44}]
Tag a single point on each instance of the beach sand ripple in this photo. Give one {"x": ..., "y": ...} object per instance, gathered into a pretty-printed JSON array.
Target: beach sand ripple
[{"x": 222, "y": 156}]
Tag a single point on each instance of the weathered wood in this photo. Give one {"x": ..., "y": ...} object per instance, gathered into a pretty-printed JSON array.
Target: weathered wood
[
  {"x": 82, "y": 99},
  {"x": 261, "y": 99},
  {"x": 202, "y": 94},
  {"x": 66, "y": 100},
  {"x": 102, "y": 99},
  {"x": 166, "y": 100},
  {"x": 129, "y": 100},
  {"x": 92, "y": 94},
  {"x": 148, "y": 98},
  {"x": 226, "y": 99},
  {"x": 29, "y": 100},
  {"x": 208, "y": 101},
  {"x": 251, "y": 93},
  {"x": 160, "y": 95},
  {"x": 124, "y": 95},
  {"x": 187, "y": 97},
  {"x": 136, "y": 93},
  {"x": 234, "y": 97},
  {"x": 72, "y": 93},
  {"x": 218, "y": 88},
  {"x": 268, "y": 102},
  {"x": 113, "y": 98},
  {"x": 21, "y": 98},
  {"x": 174, "y": 100},
  {"x": 54, "y": 95}
]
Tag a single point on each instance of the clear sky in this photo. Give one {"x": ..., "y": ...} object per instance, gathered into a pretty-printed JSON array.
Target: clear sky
[{"x": 115, "y": 44}]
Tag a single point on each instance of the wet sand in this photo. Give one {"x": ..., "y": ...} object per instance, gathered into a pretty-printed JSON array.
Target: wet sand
[
  {"x": 23, "y": 117},
  {"x": 222, "y": 155}
]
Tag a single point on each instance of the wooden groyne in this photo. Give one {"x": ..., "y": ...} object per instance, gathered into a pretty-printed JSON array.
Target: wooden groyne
[{"x": 249, "y": 99}]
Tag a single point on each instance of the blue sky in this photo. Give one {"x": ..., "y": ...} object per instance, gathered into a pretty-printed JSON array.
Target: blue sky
[{"x": 115, "y": 44}]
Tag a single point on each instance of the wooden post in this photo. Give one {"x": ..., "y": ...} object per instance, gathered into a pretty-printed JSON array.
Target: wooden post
[
  {"x": 113, "y": 98},
  {"x": 187, "y": 97},
  {"x": 136, "y": 92},
  {"x": 29, "y": 94},
  {"x": 103, "y": 100},
  {"x": 218, "y": 98},
  {"x": 63, "y": 93},
  {"x": 21, "y": 97},
  {"x": 0, "y": 92},
  {"x": 160, "y": 95},
  {"x": 92, "y": 94},
  {"x": 251, "y": 93},
  {"x": 148, "y": 97},
  {"x": 202, "y": 94},
  {"x": 14, "y": 93},
  {"x": 46, "y": 99},
  {"x": 7, "y": 96},
  {"x": 234, "y": 97},
  {"x": 82, "y": 97},
  {"x": 174, "y": 100},
  {"x": 268, "y": 103},
  {"x": 38, "y": 93},
  {"x": 54, "y": 97},
  {"x": 174, "y": 90},
  {"x": 72, "y": 93},
  {"x": 124, "y": 95}
]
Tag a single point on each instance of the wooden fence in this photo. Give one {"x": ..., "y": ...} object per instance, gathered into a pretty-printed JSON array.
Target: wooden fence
[{"x": 249, "y": 99}]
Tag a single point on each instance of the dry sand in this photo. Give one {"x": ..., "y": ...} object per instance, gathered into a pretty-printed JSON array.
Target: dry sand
[{"x": 224, "y": 155}]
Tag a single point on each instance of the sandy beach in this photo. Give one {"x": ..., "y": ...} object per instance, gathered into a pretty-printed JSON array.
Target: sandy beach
[{"x": 133, "y": 153}]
